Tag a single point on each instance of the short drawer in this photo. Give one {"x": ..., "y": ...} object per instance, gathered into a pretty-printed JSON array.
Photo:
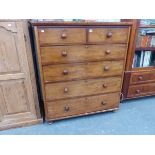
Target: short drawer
[
  {"x": 68, "y": 54},
  {"x": 71, "y": 107},
  {"x": 142, "y": 77},
  {"x": 108, "y": 35},
  {"x": 141, "y": 90},
  {"x": 65, "y": 72},
  {"x": 48, "y": 35},
  {"x": 72, "y": 89}
]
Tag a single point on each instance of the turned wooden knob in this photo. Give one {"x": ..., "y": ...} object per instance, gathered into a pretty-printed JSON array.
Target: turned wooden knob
[
  {"x": 63, "y": 35},
  {"x": 107, "y": 51},
  {"x": 106, "y": 68},
  {"x": 104, "y": 85},
  {"x": 86, "y": 46},
  {"x": 103, "y": 103},
  {"x": 140, "y": 78},
  {"x": 109, "y": 34},
  {"x": 65, "y": 90},
  {"x": 66, "y": 108},
  {"x": 137, "y": 91},
  {"x": 65, "y": 72},
  {"x": 64, "y": 53}
]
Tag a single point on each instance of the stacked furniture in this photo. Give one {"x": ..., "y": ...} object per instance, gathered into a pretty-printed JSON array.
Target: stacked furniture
[
  {"x": 139, "y": 79},
  {"x": 81, "y": 66},
  {"x": 18, "y": 95}
]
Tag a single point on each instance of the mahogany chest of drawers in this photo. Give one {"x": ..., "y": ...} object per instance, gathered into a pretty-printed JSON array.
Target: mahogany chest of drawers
[{"x": 81, "y": 66}]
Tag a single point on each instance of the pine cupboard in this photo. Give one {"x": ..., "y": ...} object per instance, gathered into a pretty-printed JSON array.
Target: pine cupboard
[
  {"x": 18, "y": 94},
  {"x": 81, "y": 66}
]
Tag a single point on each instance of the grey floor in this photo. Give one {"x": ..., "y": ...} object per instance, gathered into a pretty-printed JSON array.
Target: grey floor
[{"x": 134, "y": 117}]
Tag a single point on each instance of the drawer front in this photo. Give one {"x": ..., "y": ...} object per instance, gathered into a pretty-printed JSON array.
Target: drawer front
[
  {"x": 67, "y": 72},
  {"x": 61, "y": 35},
  {"x": 108, "y": 35},
  {"x": 141, "y": 90},
  {"x": 67, "y": 54},
  {"x": 70, "y": 107},
  {"x": 81, "y": 88},
  {"x": 142, "y": 77}
]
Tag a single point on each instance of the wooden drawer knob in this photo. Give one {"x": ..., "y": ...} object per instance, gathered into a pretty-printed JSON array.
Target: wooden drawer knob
[
  {"x": 66, "y": 109},
  {"x": 140, "y": 78},
  {"x": 65, "y": 90},
  {"x": 106, "y": 68},
  {"x": 103, "y": 103},
  {"x": 65, "y": 72},
  {"x": 86, "y": 46},
  {"x": 107, "y": 52},
  {"x": 104, "y": 85},
  {"x": 64, "y": 53},
  {"x": 137, "y": 91},
  {"x": 63, "y": 35},
  {"x": 109, "y": 34}
]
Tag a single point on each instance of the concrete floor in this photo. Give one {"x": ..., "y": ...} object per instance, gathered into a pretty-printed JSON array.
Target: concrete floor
[{"x": 135, "y": 117}]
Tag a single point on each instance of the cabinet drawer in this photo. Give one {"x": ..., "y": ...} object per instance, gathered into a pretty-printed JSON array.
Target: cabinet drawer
[
  {"x": 71, "y": 107},
  {"x": 67, "y": 54},
  {"x": 67, "y": 72},
  {"x": 141, "y": 90},
  {"x": 48, "y": 35},
  {"x": 108, "y": 35},
  {"x": 142, "y": 77},
  {"x": 81, "y": 88}
]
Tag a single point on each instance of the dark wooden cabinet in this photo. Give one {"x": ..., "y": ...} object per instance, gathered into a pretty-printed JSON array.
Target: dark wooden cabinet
[
  {"x": 139, "y": 78},
  {"x": 81, "y": 66}
]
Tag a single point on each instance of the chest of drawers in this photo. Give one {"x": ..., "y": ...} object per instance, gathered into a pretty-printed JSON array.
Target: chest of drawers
[{"x": 81, "y": 66}]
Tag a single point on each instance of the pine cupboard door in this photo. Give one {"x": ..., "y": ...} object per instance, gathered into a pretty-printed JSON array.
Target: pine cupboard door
[{"x": 17, "y": 100}]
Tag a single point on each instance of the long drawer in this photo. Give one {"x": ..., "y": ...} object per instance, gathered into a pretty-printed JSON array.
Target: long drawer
[
  {"x": 71, "y": 107},
  {"x": 70, "y": 89},
  {"x": 49, "y": 35},
  {"x": 139, "y": 77},
  {"x": 141, "y": 90},
  {"x": 81, "y": 53},
  {"x": 67, "y": 72},
  {"x": 108, "y": 35}
]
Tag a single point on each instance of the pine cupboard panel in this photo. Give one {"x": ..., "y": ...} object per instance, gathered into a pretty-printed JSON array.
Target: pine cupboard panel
[
  {"x": 82, "y": 53},
  {"x": 83, "y": 105},
  {"x": 65, "y": 72},
  {"x": 18, "y": 101}
]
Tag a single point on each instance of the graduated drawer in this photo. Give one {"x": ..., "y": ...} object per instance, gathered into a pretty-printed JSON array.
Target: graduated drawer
[
  {"x": 48, "y": 35},
  {"x": 71, "y": 107},
  {"x": 64, "y": 72},
  {"x": 108, "y": 35},
  {"x": 140, "y": 77},
  {"x": 70, "y": 89},
  {"x": 67, "y": 54},
  {"x": 141, "y": 90}
]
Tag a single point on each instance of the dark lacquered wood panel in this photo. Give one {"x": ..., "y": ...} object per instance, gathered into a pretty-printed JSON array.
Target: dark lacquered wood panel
[
  {"x": 81, "y": 53},
  {"x": 65, "y": 72},
  {"x": 71, "y": 107}
]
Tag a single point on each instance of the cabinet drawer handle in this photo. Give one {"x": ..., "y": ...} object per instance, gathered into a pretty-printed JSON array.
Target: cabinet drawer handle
[
  {"x": 140, "y": 78},
  {"x": 64, "y": 53},
  {"x": 65, "y": 72},
  {"x": 137, "y": 91},
  {"x": 86, "y": 46},
  {"x": 103, "y": 103},
  {"x": 109, "y": 34},
  {"x": 106, "y": 68},
  {"x": 66, "y": 109},
  {"x": 104, "y": 85},
  {"x": 107, "y": 51},
  {"x": 65, "y": 90},
  {"x": 63, "y": 35}
]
